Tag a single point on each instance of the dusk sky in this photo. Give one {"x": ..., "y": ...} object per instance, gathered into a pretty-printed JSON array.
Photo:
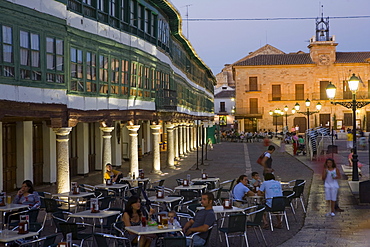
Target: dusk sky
[{"x": 224, "y": 42}]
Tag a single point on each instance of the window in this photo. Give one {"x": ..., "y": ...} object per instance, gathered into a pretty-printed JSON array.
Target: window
[
  {"x": 7, "y": 59},
  {"x": 124, "y": 77},
  {"x": 222, "y": 107},
  {"x": 77, "y": 83},
  {"x": 148, "y": 17},
  {"x": 253, "y": 106},
  {"x": 114, "y": 79},
  {"x": 323, "y": 85},
  {"x": 124, "y": 9},
  {"x": 347, "y": 121},
  {"x": 276, "y": 92},
  {"x": 133, "y": 80},
  {"x": 54, "y": 60},
  {"x": 347, "y": 94},
  {"x": 103, "y": 74},
  {"x": 133, "y": 13},
  {"x": 91, "y": 72},
  {"x": 253, "y": 84},
  {"x": 30, "y": 56},
  {"x": 113, "y": 7},
  {"x": 299, "y": 92},
  {"x": 141, "y": 17}
]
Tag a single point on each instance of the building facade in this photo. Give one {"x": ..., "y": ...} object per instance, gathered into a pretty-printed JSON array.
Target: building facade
[
  {"x": 85, "y": 83},
  {"x": 265, "y": 82}
]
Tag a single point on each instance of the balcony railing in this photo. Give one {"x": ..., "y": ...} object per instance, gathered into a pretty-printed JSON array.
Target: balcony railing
[
  {"x": 249, "y": 112},
  {"x": 166, "y": 100},
  {"x": 317, "y": 96},
  {"x": 252, "y": 88}
]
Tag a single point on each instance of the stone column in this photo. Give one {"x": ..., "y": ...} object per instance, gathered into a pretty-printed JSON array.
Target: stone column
[
  {"x": 181, "y": 140},
  {"x": 63, "y": 182},
  {"x": 185, "y": 138},
  {"x": 188, "y": 140},
  {"x": 107, "y": 148},
  {"x": 176, "y": 141},
  {"x": 191, "y": 129},
  {"x": 194, "y": 136},
  {"x": 156, "y": 164},
  {"x": 170, "y": 146},
  {"x": 134, "y": 155}
]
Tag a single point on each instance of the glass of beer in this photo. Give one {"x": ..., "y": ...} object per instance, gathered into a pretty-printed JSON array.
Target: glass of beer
[
  {"x": 9, "y": 199},
  {"x": 165, "y": 221}
]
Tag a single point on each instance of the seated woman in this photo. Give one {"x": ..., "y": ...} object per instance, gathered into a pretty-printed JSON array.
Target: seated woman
[
  {"x": 112, "y": 174},
  {"x": 27, "y": 195},
  {"x": 350, "y": 158},
  {"x": 132, "y": 217}
]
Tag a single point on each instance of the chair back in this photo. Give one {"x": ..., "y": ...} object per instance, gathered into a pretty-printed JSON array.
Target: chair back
[
  {"x": 298, "y": 190},
  {"x": 299, "y": 182},
  {"x": 174, "y": 204},
  {"x": 289, "y": 197},
  {"x": 179, "y": 181},
  {"x": 189, "y": 194},
  {"x": 51, "y": 205},
  {"x": 260, "y": 210},
  {"x": 33, "y": 214},
  {"x": 232, "y": 184},
  {"x": 100, "y": 240},
  {"x": 174, "y": 241},
  {"x": 161, "y": 182},
  {"x": 105, "y": 203},
  {"x": 118, "y": 228},
  {"x": 237, "y": 223},
  {"x": 101, "y": 193},
  {"x": 278, "y": 204},
  {"x": 68, "y": 227},
  {"x": 192, "y": 208},
  {"x": 208, "y": 235},
  {"x": 58, "y": 217},
  {"x": 49, "y": 240},
  {"x": 41, "y": 195}
]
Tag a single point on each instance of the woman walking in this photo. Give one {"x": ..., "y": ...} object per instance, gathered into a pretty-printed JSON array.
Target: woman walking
[{"x": 330, "y": 175}]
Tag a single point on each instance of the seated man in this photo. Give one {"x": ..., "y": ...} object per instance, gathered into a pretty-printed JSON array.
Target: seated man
[
  {"x": 112, "y": 174},
  {"x": 270, "y": 188},
  {"x": 202, "y": 220},
  {"x": 240, "y": 190}
]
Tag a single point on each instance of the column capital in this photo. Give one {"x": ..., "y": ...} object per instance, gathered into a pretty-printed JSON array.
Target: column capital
[
  {"x": 107, "y": 129},
  {"x": 155, "y": 127},
  {"x": 170, "y": 127},
  {"x": 133, "y": 128},
  {"x": 62, "y": 133}
]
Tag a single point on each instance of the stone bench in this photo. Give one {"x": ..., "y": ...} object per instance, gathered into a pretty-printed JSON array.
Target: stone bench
[
  {"x": 354, "y": 186},
  {"x": 347, "y": 170}
]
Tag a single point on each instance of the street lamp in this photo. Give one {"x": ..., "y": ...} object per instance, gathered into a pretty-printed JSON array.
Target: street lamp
[
  {"x": 308, "y": 112},
  {"x": 287, "y": 115},
  {"x": 276, "y": 113},
  {"x": 354, "y": 104}
]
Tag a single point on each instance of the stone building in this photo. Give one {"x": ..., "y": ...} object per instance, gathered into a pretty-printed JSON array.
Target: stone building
[
  {"x": 85, "y": 83},
  {"x": 275, "y": 79}
]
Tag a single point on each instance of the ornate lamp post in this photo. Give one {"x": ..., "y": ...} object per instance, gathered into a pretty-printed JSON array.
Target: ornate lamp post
[
  {"x": 287, "y": 115},
  {"x": 308, "y": 112},
  {"x": 354, "y": 104}
]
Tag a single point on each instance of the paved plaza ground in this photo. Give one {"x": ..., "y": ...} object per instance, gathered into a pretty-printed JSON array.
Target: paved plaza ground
[{"x": 228, "y": 160}]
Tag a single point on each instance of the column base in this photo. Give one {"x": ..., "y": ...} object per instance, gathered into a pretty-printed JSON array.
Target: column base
[{"x": 156, "y": 172}]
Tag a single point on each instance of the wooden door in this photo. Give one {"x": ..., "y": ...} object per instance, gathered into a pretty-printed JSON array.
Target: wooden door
[
  {"x": 253, "y": 105},
  {"x": 9, "y": 157},
  {"x": 38, "y": 160},
  {"x": 301, "y": 122},
  {"x": 324, "y": 120}
]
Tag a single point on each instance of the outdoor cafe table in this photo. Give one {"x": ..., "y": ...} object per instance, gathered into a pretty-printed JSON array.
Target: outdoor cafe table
[
  {"x": 215, "y": 181},
  {"x": 7, "y": 236},
  {"x": 101, "y": 215},
  {"x": 9, "y": 208},
  {"x": 191, "y": 187},
  {"x": 144, "y": 230},
  {"x": 75, "y": 197},
  {"x": 223, "y": 211},
  {"x": 167, "y": 200}
]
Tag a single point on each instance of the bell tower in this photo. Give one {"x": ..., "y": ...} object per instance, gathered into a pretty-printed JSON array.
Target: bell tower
[{"x": 322, "y": 46}]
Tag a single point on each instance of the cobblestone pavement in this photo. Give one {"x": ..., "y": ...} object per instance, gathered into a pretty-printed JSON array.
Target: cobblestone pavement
[{"x": 229, "y": 160}]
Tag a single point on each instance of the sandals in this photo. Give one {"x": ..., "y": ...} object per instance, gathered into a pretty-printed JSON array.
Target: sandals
[
  {"x": 278, "y": 226},
  {"x": 266, "y": 226}
]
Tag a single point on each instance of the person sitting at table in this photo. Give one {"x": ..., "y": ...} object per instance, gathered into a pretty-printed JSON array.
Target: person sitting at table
[
  {"x": 255, "y": 182},
  {"x": 132, "y": 217},
  {"x": 27, "y": 195},
  {"x": 112, "y": 174},
  {"x": 270, "y": 188},
  {"x": 202, "y": 220},
  {"x": 240, "y": 190}
]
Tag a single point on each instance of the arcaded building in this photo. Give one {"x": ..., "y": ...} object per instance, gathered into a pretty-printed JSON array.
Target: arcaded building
[
  {"x": 85, "y": 83},
  {"x": 271, "y": 79}
]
